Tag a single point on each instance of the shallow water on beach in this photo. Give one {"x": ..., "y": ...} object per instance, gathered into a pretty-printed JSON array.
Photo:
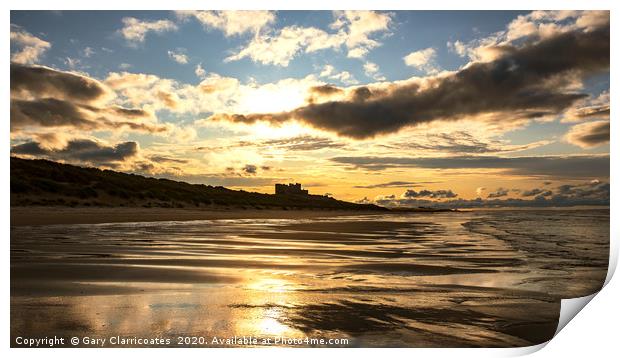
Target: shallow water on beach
[{"x": 480, "y": 278}]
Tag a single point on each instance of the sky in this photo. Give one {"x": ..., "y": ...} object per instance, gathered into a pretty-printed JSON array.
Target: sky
[{"x": 398, "y": 108}]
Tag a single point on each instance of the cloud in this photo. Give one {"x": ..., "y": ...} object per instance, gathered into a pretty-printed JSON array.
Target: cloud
[
  {"x": 178, "y": 57},
  {"x": 590, "y": 193},
  {"x": 73, "y": 63},
  {"x": 593, "y": 188},
  {"x": 345, "y": 76},
  {"x": 302, "y": 143},
  {"x": 592, "y": 19},
  {"x": 393, "y": 184},
  {"x": 50, "y": 112},
  {"x": 48, "y": 140},
  {"x": 457, "y": 47},
  {"x": 537, "y": 192},
  {"x": 500, "y": 192},
  {"x": 149, "y": 91},
  {"x": 371, "y": 70},
  {"x": 327, "y": 71},
  {"x": 280, "y": 48},
  {"x": 246, "y": 171},
  {"x": 232, "y": 23},
  {"x": 549, "y": 23},
  {"x": 574, "y": 166},
  {"x": 80, "y": 150},
  {"x": 532, "y": 80},
  {"x": 200, "y": 72},
  {"x": 165, "y": 159},
  {"x": 588, "y": 108},
  {"x": 250, "y": 169},
  {"x": 40, "y": 81},
  {"x": 358, "y": 27},
  {"x": 326, "y": 90},
  {"x": 460, "y": 142},
  {"x": 45, "y": 97},
  {"x": 423, "y": 60},
  {"x": 589, "y": 135},
  {"x": 135, "y": 30},
  {"x": 530, "y": 27},
  {"x": 31, "y": 48},
  {"x": 358, "y": 52},
  {"x": 88, "y": 52},
  {"x": 433, "y": 194},
  {"x": 297, "y": 143},
  {"x": 353, "y": 30},
  {"x": 214, "y": 93}
]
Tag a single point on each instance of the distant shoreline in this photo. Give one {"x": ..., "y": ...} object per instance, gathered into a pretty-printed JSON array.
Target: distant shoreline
[
  {"x": 62, "y": 215},
  {"x": 54, "y": 215}
]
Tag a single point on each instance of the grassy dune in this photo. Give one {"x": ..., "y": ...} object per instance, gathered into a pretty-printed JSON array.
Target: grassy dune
[{"x": 47, "y": 183}]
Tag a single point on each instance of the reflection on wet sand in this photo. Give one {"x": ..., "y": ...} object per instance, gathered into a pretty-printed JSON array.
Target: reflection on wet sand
[{"x": 454, "y": 279}]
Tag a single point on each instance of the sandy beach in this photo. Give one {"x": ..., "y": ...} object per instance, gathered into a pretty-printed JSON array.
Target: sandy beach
[
  {"x": 396, "y": 280},
  {"x": 49, "y": 215}
]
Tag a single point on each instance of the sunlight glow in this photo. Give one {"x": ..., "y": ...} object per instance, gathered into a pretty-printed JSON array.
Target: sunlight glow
[
  {"x": 269, "y": 285},
  {"x": 269, "y": 325},
  {"x": 274, "y": 98},
  {"x": 286, "y": 130}
]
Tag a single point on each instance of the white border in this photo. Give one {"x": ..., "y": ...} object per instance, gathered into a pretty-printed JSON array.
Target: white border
[{"x": 593, "y": 330}]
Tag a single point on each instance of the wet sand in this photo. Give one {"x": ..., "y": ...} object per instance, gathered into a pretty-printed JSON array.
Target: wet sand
[
  {"x": 407, "y": 280},
  {"x": 49, "y": 215}
]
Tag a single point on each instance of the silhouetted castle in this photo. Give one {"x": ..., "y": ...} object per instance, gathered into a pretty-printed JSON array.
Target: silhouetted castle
[{"x": 290, "y": 189}]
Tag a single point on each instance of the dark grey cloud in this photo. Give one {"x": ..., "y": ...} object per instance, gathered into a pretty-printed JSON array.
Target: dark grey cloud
[
  {"x": 44, "y": 97},
  {"x": 29, "y": 148},
  {"x": 524, "y": 82},
  {"x": 574, "y": 166},
  {"x": 433, "y": 194},
  {"x": 394, "y": 184},
  {"x": 125, "y": 112},
  {"x": 326, "y": 90},
  {"x": 40, "y": 81},
  {"x": 601, "y": 111},
  {"x": 537, "y": 192},
  {"x": 51, "y": 112},
  {"x": 594, "y": 188},
  {"x": 80, "y": 150},
  {"x": 318, "y": 93},
  {"x": 247, "y": 170},
  {"x": 250, "y": 169},
  {"x": 500, "y": 192},
  {"x": 589, "y": 134}
]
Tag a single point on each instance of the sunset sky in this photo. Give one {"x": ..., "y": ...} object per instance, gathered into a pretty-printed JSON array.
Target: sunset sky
[{"x": 400, "y": 108}]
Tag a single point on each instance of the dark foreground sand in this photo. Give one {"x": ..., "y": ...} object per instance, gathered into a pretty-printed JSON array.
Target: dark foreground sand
[{"x": 47, "y": 215}]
